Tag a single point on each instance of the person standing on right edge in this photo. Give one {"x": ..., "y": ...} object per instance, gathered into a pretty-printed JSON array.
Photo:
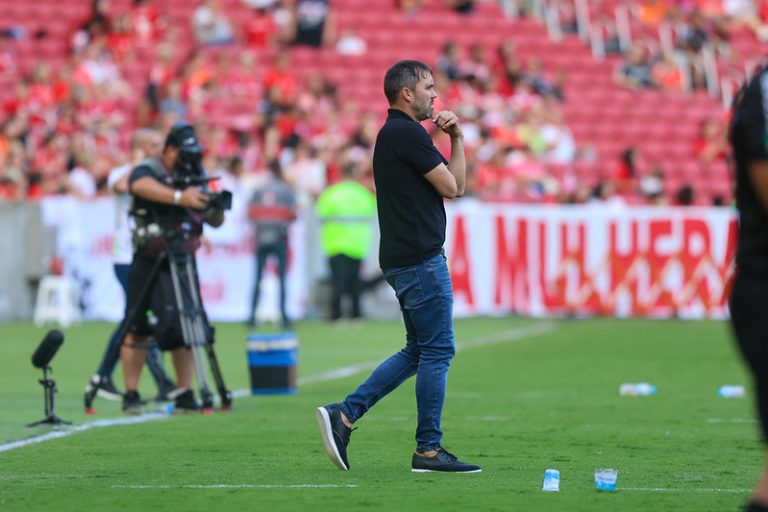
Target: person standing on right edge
[
  {"x": 412, "y": 179},
  {"x": 749, "y": 296}
]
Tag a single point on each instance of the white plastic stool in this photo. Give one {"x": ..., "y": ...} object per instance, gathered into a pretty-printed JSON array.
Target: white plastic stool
[{"x": 56, "y": 302}]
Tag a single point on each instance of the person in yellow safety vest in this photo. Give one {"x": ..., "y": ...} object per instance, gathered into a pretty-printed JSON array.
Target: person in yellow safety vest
[{"x": 346, "y": 211}]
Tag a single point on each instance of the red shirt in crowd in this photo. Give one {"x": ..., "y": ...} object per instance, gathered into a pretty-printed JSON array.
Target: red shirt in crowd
[
  {"x": 259, "y": 30},
  {"x": 146, "y": 24},
  {"x": 283, "y": 81}
]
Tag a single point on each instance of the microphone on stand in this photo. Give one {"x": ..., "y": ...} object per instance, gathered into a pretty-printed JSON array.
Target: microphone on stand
[{"x": 47, "y": 348}]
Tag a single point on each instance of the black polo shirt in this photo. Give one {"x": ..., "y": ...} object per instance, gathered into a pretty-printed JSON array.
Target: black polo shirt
[
  {"x": 749, "y": 138},
  {"x": 411, "y": 211}
]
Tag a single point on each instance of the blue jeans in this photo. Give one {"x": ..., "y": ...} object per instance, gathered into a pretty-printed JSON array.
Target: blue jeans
[
  {"x": 112, "y": 354},
  {"x": 426, "y": 301}
]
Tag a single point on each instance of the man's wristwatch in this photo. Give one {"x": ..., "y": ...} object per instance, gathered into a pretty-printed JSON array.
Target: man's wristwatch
[{"x": 177, "y": 197}]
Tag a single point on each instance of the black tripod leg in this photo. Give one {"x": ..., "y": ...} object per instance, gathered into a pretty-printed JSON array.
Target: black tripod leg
[
  {"x": 190, "y": 315},
  {"x": 127, "y": 322},
  {"x": 224, "y": 393},
  {"x": 205, "y": 391}
]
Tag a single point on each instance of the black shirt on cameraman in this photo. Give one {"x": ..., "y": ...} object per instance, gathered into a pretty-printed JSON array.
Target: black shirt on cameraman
[
  {"x": 185, "y": 224},
  {"x": 143, "y": 170},
  {"x": 411, "y": 211},
  {"x": 749, "y": 139}
]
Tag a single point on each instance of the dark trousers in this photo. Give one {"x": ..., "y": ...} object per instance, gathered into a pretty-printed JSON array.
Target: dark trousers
[
  {"x": 278, "y": 250},
  {"x": 749, "y": 304},
  {"x": 112, "y": 354},
  {"x": 345, "y": 282}
]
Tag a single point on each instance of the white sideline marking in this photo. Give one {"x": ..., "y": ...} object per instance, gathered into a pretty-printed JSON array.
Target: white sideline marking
[
  {"x": 664, "y": 489},
  {"x": 731, "y": 420},
  {"x": 508, "y": 336},
  {"x": 239, "y": 486},
  {"x": 488, "y": 418},
  {"x": 67, "y": 431},
  {"x": 339, "y": 373}
]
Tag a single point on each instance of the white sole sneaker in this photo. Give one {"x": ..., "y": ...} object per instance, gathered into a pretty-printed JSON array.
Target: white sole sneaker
[
  {"x": 108, "y": 395},
  {"x": 326, "y": 433}
]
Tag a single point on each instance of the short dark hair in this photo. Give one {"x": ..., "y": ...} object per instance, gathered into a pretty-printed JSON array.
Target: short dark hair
[{"x": 405, "y": 73}]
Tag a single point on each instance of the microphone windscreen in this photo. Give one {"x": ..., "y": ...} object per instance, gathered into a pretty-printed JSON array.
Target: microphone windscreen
[{"x": 47, "y": 348}]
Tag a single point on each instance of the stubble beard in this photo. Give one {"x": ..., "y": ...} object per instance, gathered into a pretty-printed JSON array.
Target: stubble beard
[{"x": 426, "y": 112}]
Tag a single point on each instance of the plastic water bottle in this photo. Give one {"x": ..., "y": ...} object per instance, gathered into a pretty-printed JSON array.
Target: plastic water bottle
[
  {"x": 645, "y": 389},
  {"x": 637, "y": 389},
  {"x": 551, "y": 480},
  {"x": 731, "y": 391}
]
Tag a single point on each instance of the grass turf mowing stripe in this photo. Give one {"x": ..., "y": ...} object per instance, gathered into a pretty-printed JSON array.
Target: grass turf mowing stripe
[
  {"x": 664, "y": 489},
  {"x": 238, "y": 486},
  {"x": 507, "y": 336},
  {"x": 351, "y": 486}
]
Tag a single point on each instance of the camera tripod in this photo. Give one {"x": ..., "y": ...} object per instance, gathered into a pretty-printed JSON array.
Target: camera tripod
[{"x": 183, "y": 270}]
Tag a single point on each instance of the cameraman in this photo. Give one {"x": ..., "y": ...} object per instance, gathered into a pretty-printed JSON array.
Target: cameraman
[
  {"x": 144, "y": 143},
  {"x": 162, "y": 207}
]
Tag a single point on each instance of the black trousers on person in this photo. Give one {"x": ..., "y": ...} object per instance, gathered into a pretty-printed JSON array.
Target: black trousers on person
[
  {"x": 749, "y": 319},
  {"x": 278, "y": 250},
  {"x": 345, "y": 282}
]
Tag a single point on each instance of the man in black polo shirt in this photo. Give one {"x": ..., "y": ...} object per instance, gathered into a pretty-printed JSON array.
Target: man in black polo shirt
[
  {"x": 749, "y": 298},
  {"x": 412, "y": 179}
]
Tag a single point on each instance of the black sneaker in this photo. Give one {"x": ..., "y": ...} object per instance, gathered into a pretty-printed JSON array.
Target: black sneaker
[
  {"x": 106, "y": 389},
  {"x": 132, "y": 402},
  {"x": 335, "y": 434},
  {"x": 168, "y": 394},
  {"x": 443, "y": 462},
  {"x": 185, "y": 402}
]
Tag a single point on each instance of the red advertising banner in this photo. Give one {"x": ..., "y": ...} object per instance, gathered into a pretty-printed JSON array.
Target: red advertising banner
[
  {"x": 590, "y": 260},
  {"x": 504, "y": 259}
]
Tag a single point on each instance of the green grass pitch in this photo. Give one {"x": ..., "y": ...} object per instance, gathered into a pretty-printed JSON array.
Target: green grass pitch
[{"x": 524, "y": 395}]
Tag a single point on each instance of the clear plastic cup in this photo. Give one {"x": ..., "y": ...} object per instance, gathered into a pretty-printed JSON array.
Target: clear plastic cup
[
  {"x": 551, "y": 481},
  {"x": 605, "y": 479}
]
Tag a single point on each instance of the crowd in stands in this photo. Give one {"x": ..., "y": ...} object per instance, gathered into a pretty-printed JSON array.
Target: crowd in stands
[
  {"x": 695, "y": 25},
  {"x": 63, "y": 129}
]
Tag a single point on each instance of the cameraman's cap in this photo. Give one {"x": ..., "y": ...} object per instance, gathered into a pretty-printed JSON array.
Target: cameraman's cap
[{"x": 183, "y": 136}]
